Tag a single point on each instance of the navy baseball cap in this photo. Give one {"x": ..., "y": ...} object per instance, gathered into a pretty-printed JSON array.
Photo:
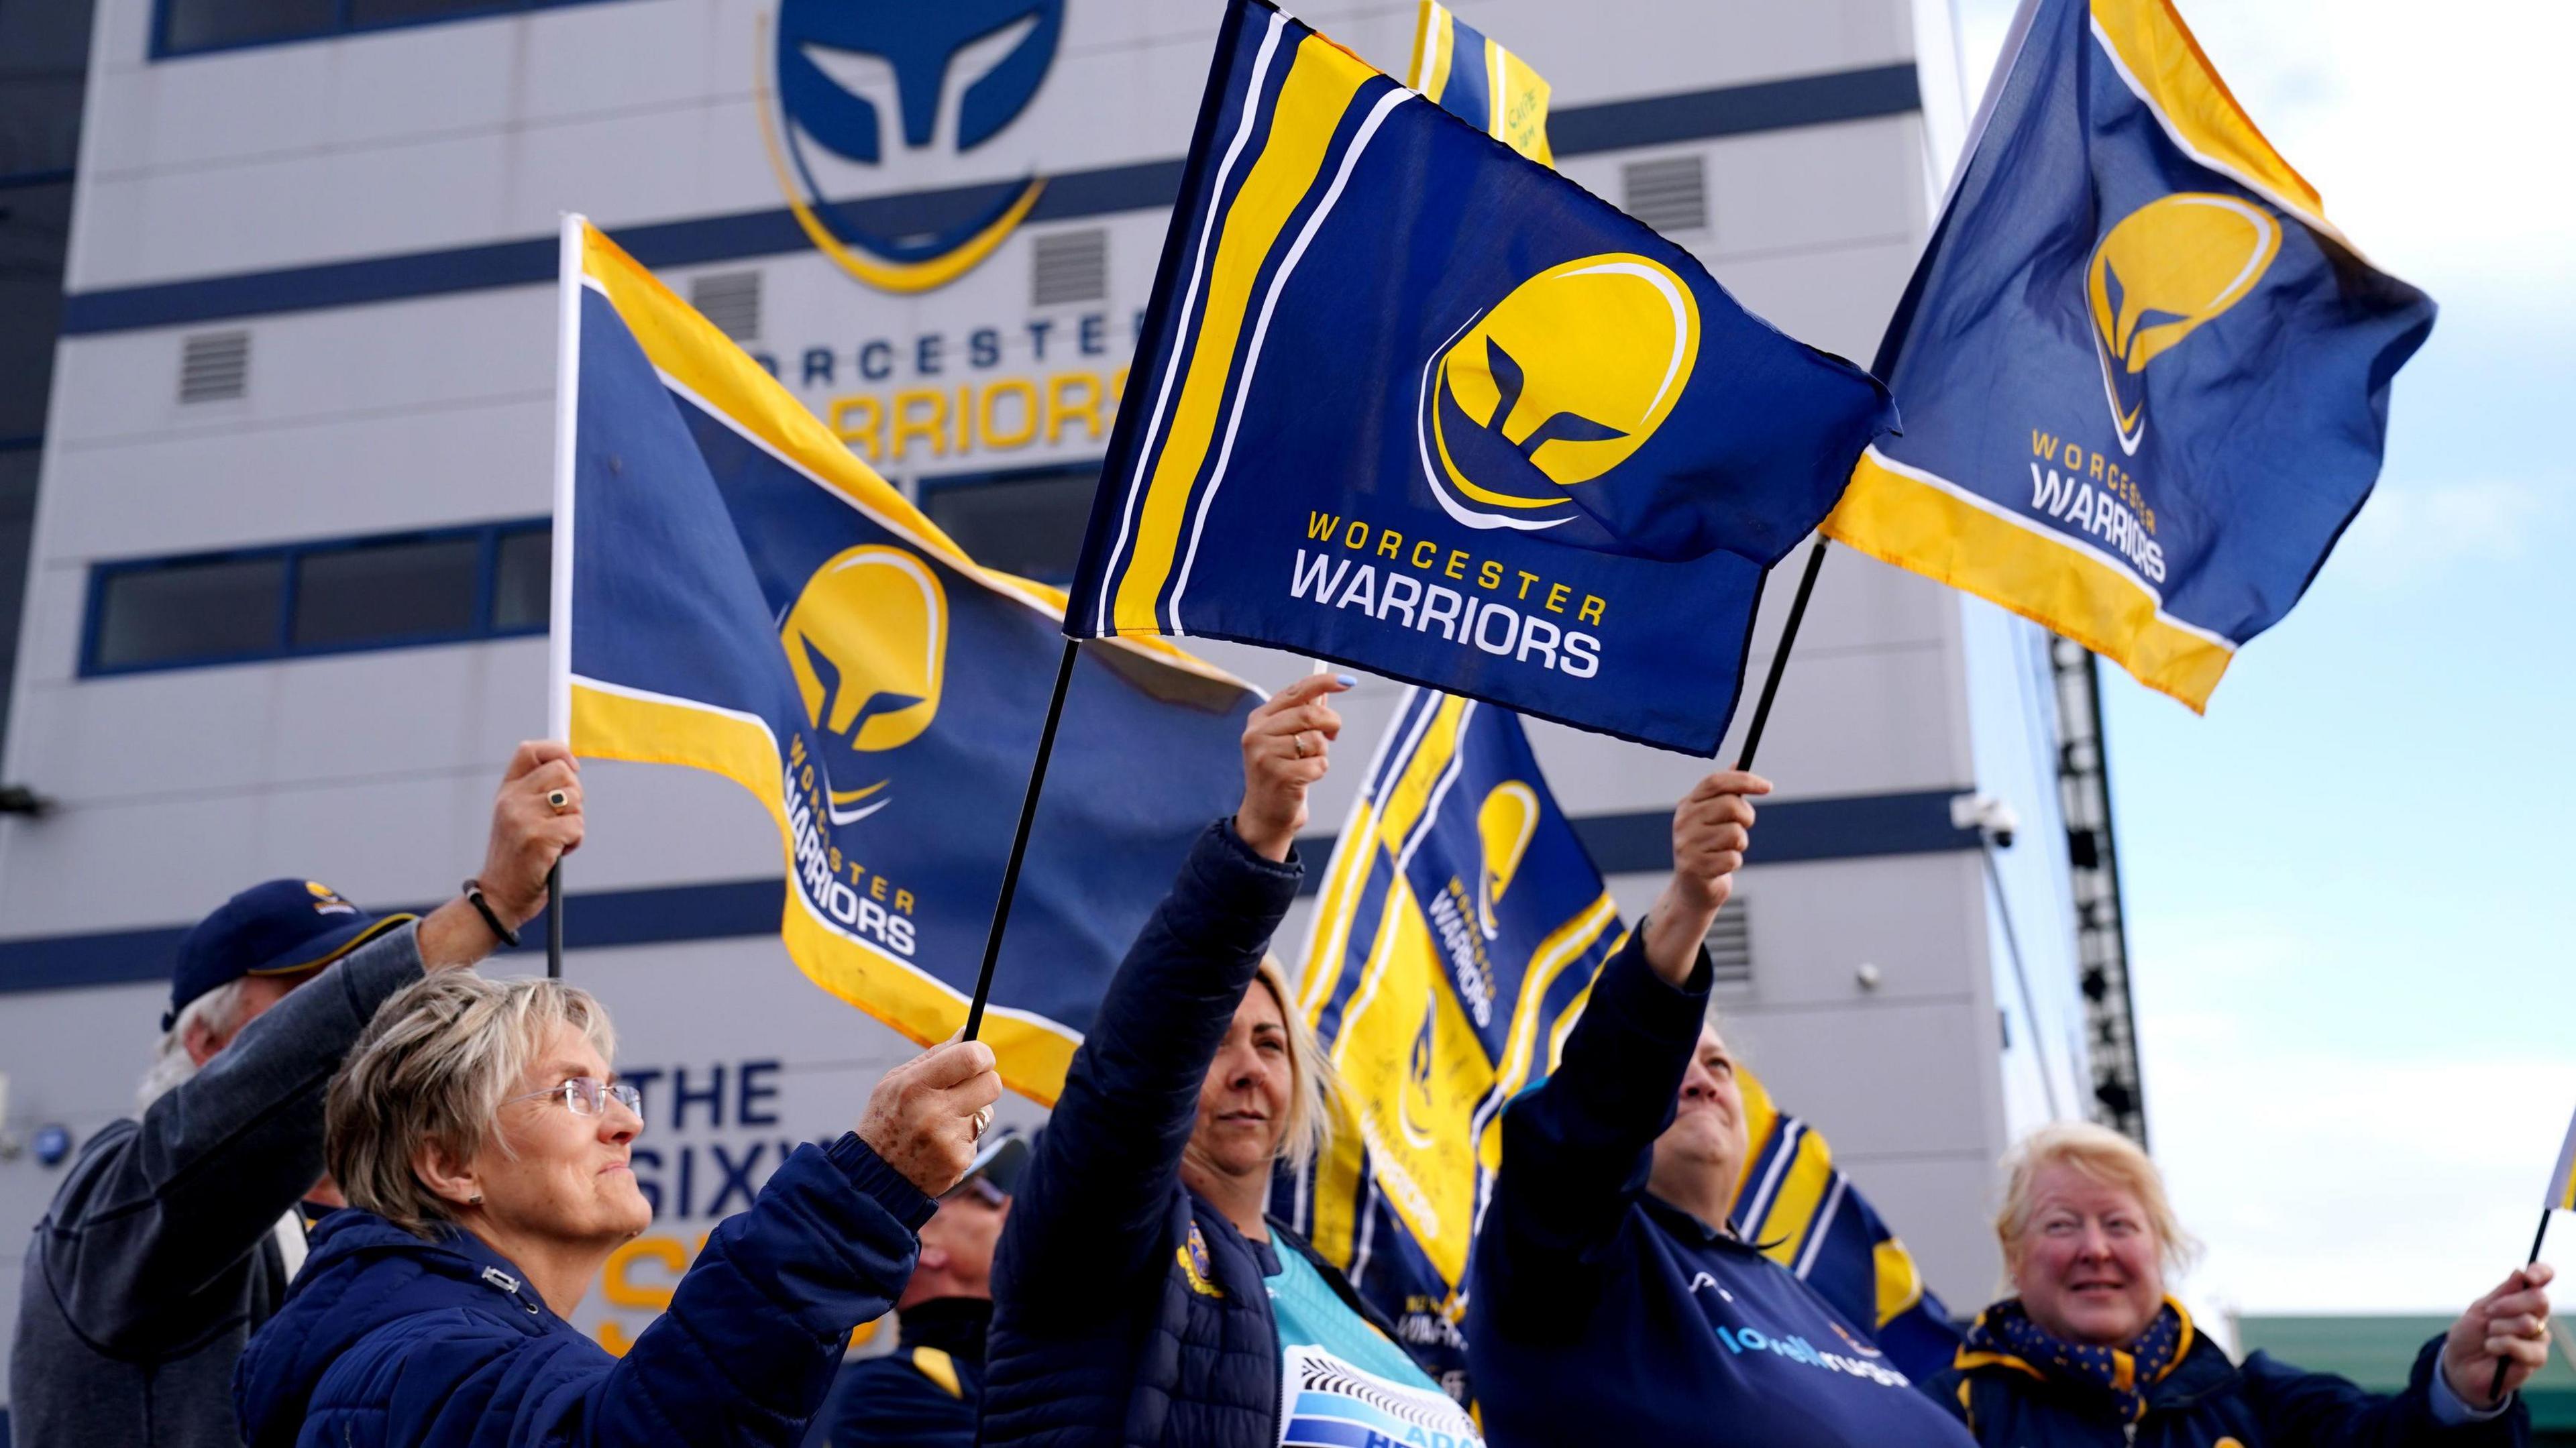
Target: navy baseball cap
[{"x": 282, "y": 927}]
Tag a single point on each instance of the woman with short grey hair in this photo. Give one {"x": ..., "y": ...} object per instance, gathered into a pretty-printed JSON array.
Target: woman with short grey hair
[{"x": 483, "y": 1142}]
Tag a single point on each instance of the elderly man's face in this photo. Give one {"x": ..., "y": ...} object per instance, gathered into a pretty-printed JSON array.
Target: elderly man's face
[
  {"x": 1699, "y": 1156},
  {"x": 565, "y": 1177},
  {"x": 2088, "y": 1266},
  {"x": 957, "y": 1245}
]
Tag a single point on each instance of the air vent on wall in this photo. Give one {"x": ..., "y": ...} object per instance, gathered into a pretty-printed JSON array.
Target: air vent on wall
[
  {"x": 1670, "y": 194},
  {"x": 731, "y": 300},
  {"x": 214, "y": 366},
  {"x": 1071, "y": 266},
  {"x": 1730, "y": 947}
]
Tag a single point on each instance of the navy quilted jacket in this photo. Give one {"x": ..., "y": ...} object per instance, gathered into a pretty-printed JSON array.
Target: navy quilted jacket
[
  {"x": 1125, "y": 1309},
  {"x": 387, "y": 1341}
]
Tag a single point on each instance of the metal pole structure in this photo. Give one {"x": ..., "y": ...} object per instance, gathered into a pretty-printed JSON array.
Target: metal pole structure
[{"x": 1020, "y": 843}]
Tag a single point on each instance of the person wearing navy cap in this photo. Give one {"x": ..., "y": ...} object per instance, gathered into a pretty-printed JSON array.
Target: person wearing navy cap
[
  {"x": 928, "y": 1392},
  {"x": 173, "y": 1236}
]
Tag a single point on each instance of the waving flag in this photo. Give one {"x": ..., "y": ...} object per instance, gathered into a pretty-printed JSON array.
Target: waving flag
[
  {"x": 735, "y": 591},
  {"x": 2562, "y": 1178},
  {"x": 1453, "y": 944},
  {"x": 1464, "y": 72},
  {"x": 2145, "y": 380},
  {"x": 1407, "y": 400}
]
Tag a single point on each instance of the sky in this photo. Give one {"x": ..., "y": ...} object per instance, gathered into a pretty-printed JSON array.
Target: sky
[{"x": 2349, "y": 926}]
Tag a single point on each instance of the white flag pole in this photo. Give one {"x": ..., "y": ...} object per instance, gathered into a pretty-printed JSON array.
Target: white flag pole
[{"x": 559, "y": 574}]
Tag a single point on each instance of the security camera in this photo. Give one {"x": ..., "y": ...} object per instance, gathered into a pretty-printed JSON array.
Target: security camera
[{"x": 1987, "y": 815}]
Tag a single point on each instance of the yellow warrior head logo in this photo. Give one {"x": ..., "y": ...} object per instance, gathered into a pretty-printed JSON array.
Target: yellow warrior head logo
[
  {"x": 1504, "y": 823},
  {"x": 868, "y": 643},
  {"x": 2165, "y": 269},
  {"x": 1555, "y": 385}
]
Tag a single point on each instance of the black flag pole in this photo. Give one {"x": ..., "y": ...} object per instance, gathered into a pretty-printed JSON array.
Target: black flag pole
[
  {"x": 2495, "y": 1389},
  {"x": 1019, "y": 844},
  {"x": 1780, "y": 654},
  {"x": 554, "y": 921}
]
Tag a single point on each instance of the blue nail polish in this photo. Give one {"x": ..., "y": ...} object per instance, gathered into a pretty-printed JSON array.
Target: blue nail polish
[{"x": 1346, "y": 681}]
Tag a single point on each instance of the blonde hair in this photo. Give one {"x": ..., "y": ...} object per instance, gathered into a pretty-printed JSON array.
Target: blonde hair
[
  {"x": 2102, "y": 1156},
  {"x": 435, "y": 1065},
  {"x": 1311, "y": 1082}
]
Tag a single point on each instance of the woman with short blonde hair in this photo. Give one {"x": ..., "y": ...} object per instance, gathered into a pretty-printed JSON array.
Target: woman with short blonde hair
[
  {"x": 483, "y": 1142},
  {"x": 2090, "y": 1350}
]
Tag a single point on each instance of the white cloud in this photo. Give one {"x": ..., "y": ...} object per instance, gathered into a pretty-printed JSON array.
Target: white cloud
[{"x": 2406, "y": 534}]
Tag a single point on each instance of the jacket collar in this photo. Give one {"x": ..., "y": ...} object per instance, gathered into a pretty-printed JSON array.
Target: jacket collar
[
  {"x": 955, "y": 1325},
  {"x": 2199, "y": 1366}
]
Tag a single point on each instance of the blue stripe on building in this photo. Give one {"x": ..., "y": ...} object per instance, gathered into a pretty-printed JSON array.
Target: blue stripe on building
[
  {"x": 1793, "y": 831},
  {"x": 1850, "y": 95}
]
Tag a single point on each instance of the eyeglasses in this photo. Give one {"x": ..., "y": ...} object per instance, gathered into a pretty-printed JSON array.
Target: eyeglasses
[{"x": 588, "y": 1096}]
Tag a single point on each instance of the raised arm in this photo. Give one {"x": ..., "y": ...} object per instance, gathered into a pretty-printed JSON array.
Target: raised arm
[
  {"x": 1577, "y": 1150},
  {"x": 160, "y": 1207},
  {"x": 1090, "y": 1210}
]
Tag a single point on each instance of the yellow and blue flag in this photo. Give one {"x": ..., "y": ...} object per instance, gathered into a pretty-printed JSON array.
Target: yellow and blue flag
[
  {"x": 747, "y": 597},
  {"x": 2145, "y": 380},
  {"x": 1407, "y": 400},
  {"x": 1453, "y": 944},
  {"x": 1466, "y": 73},
  {"x": 1806, "y": 1215},
  {"x": 2562, "y": 1178}
]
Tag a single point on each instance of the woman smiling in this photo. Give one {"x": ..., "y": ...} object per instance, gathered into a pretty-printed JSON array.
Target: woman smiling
[
  {"x": 2092, "y": 1351},
  {"x": 484, "y": 1144}
]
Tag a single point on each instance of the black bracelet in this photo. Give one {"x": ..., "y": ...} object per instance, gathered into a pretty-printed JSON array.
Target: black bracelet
[{"x": 482, "y": 907}]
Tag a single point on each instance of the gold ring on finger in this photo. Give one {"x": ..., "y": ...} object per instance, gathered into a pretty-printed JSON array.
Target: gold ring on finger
[
  {"x": 558, "y": 800},
  {"x": 983, "y": 1118},
  {"x": 1298, "y": 740}
]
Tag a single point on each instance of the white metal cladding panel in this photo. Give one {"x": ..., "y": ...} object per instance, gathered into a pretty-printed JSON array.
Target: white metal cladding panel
[
  {"x": 643, "y": 109},
  {"x": 1943, "y": 1208}
]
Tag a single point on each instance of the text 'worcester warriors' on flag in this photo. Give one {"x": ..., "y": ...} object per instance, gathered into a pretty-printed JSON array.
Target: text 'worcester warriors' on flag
[
  {"x": 747, "y": 597},
  {"x": 2145, "y": 380},
  {"x": 1453, "y": 944},
  {"x": 1408, "y": 400}
]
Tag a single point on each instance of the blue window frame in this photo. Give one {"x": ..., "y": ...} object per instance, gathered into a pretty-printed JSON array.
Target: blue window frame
[
  {"x": 329, "y": 596},
  {"x": 1027, "y": 521},
  {"x": 197, "y": 27}
]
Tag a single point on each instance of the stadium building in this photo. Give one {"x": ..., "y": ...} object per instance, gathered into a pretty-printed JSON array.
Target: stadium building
[{"x": 286, "y": 579}]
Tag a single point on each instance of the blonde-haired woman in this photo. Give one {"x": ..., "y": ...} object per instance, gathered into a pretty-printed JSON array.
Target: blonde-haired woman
[
  {"x": 482, "y": 1140},
  {"x": 1142, "y": 1296},
  {"x": 2091, "y": 1351}
]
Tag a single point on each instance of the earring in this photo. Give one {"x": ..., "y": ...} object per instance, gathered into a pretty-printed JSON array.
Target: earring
[{"x": 475, "y": 1200}]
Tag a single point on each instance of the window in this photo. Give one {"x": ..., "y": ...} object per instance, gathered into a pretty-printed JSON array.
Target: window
[
  {"x": 323, "y": 597},
  {"x": 1029, "y": 523},
  {"x": 211, "y": 609},
  {"x": 382, "y": 591},
  {"x": 185, "y": 26}
]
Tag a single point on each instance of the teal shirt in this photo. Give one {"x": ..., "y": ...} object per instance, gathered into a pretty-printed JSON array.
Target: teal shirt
[{"x": 1343, "y": 1381}]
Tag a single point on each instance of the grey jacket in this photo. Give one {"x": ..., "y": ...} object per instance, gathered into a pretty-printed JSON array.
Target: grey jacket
[{"x": 156, "y": 1261}]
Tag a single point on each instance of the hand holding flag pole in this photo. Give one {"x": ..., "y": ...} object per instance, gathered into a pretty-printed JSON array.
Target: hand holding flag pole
[{"x": 2561, "y": 1198}]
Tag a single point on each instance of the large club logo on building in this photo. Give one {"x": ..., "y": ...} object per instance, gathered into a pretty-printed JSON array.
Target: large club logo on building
[
  {"x": 1553, "y": 387},
  {"x": 956, "y": 72},
  {"x": 867, "y": 640},
  {"x": 2167, "y": 268}
]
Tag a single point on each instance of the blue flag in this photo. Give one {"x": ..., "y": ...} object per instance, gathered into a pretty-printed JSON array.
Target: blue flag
[
  {"x": 2145, "y": 380},
  {"x": 1471, "y": 76},
  {"x": 745, "y": 596},
  {"x": 1453, "y": 944},
  {"x": 1408, "y": 400}
]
